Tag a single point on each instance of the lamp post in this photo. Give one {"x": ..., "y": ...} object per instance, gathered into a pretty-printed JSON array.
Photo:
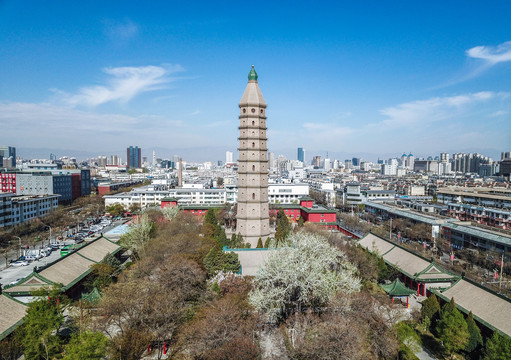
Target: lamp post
[
  {"x": 390, "y": 230},
  {"x": 48, "y": 226}
]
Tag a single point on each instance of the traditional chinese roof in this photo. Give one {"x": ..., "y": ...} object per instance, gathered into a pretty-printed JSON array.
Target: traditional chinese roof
[
  {"x": 489, "y": 308},
  {"x": 252, "y": 75},
  {"x": 12, "y": 313},
  {"x": 412, "y": 265},
  {"x": 396, "y": 288}
]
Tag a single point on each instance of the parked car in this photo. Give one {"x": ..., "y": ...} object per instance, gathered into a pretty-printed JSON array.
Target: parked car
[
  {"x": 19, "y": 263},
  {"x": 15, "y": 281}
]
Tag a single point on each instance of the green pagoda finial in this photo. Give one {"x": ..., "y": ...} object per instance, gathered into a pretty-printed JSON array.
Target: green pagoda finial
[{"x": 252, "y": 75}]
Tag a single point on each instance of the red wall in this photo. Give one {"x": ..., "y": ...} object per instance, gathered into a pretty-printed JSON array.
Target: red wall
[
  {"x": 76, "y": 185},
  {"x": 8, "y": 183}
]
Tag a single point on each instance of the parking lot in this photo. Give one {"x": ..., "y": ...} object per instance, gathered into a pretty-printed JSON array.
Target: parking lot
[{"x": 13, "y": 273}]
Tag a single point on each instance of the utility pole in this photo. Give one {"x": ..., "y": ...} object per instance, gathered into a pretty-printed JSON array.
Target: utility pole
[
  {"x": 390, "y": 230},
  {"x": 19, "y": 247}
]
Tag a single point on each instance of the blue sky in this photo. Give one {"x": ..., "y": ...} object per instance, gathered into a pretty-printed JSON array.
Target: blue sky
[{"x": 364, "y": 78}]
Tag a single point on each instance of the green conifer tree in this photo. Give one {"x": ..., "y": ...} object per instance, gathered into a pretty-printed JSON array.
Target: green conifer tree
[
  {"x": 430, "y": 312},
  {"x": 259, "y": 243},
  {"x": 452, "y": 329},
  {"x": 475, "y": 339},
  {"x": 497, "y": 347}
]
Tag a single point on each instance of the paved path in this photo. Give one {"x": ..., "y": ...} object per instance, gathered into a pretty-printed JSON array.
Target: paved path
[{"x": 424, "y": 354}]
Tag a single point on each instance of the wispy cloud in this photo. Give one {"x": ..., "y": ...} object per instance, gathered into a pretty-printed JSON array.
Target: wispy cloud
[
  {"x": 120, "y": 30},
  {"x": 123, "y": 84},
  {"x": 434, "y": 109},
  {"x": 490, "y": 54},
  {"x": 49, "y": 123}
]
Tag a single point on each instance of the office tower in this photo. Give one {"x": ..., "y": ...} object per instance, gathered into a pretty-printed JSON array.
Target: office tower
[
  {"x": 316, "y": 161},
  {"x": 253, "y": 211},
  {"x": 228, "y": 157},
  {"x": 8, "y": 153},
  {"x": 301, "y": 154},
  {"x": 134, "y": 157},
  {"x": 271, "y": 160}
]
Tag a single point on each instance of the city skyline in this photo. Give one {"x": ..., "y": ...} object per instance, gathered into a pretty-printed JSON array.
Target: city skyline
[{"x": 341, "y": 79}]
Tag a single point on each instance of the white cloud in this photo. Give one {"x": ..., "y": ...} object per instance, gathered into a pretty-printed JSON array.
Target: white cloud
[
  {"x": 42, "y": 125},
  {"x": 499, "y": 113},
  {"x": 434, "y": 109},
  {"x": 123, "y": 84},
  {"x": 491, "y": 55},
  {"x": 120, "y": 30}
]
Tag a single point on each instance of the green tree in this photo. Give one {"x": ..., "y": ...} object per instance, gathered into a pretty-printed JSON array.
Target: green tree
[
  {"x": 301, "y": 221},
  {"x": 259, "y": 244},
  {"x": 210, "y": 217},
  {"x": 42, "y": 323},
  {"x": 452, "y": 329},
  {"x": 475, "y": 339},
  {"x": 283, "y": 226},
  {"x": 498, "y": 347},
  {"x": 216, "y": 260},
  {"x": 115, "y": 209},
  {"x": 87, "y": 345},
  {"x": 267, "y": 243},
  {"x": 134, "y": 207},
  {"x": 430, "y": 311}
]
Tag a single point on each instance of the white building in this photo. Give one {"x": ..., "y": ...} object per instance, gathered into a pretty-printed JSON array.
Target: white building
[
  {"x": 228, "y": 157},
  {"x": 287, "y": 193}
]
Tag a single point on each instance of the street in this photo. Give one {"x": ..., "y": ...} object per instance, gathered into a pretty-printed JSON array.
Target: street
[{"x": 12, "y": 273}]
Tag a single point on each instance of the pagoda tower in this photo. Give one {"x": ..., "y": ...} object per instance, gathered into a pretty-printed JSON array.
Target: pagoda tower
[{"x": 252, "y": 219}]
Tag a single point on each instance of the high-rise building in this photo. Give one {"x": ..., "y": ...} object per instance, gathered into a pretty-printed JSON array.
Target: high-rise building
[
  {"x": 228, "y": 157},
  {"x": 253, "y": 211},
  {"x": 355, "y": 161},
  {"x": 316, "y": 161},
  {"x": 8, "y": 154},
  {"x": 301, "y": 154},
  {"x": 102, "y": 161},
  {"x": 134, "y": 157},
  {"x": 271, "y": 160},
  {"x": 505, "y": 155}
]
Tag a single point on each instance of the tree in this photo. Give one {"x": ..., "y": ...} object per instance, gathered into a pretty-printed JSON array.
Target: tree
[
  {"x": 115, "y": 209},
  {"x": 304, "y": 271},
  {"x": 430, "y": 311},
  {"x": 267, "y": 243},
  {"x": 475, "y": 339},
  {"x": 452, "y": 329},
  {"x": 498, "y": 347},
  {"x": 217, "y": 260},
  {"x": 137, "y": 235},
  {"x": 221, "y": 330},
  {"x": 301, "y": 221},
  {"x": 42, "y": 324},
  {"x": 170, "y": 212},
  {"x": 283, "y": 226},
  {"x": 259, "y": 244},
  {"x": 87, "y": 345},
  {"x": 407, "y": 335},
  {"x": 134, "y": 207}
]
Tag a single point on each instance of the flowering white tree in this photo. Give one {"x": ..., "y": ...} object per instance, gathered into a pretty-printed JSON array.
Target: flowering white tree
[
  {"x": 304, "y": 271},
  {"x": 137, "y": 235},
  {"x": 170, "y": 212}
]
